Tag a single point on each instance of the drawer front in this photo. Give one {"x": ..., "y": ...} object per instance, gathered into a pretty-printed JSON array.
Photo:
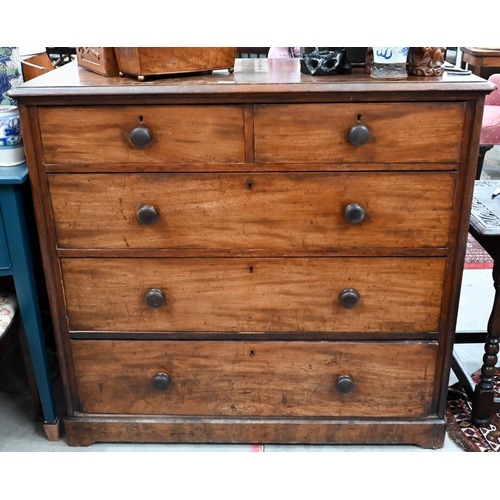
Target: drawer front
[
  {"x": 254, "y": 294},
  {"x": 262, "y": 379},
  {"x": 179, "y": 134},
  {"x": 243, "y": 211},
  {"x": 319, "y": 133}
]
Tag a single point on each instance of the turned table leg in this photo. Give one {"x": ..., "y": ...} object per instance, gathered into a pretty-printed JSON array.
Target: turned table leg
[{"x": 483, "y": 401}]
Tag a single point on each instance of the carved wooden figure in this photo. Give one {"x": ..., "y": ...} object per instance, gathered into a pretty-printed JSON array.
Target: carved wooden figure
[
  {"x": 369, "y": 60},
  {"x": 426, "y": 61}
]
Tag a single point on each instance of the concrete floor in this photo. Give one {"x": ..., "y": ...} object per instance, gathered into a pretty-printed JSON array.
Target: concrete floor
[{"x": 19, "y": 432}]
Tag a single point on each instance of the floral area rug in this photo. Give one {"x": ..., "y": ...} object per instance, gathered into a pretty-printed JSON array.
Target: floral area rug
[
  {"x": 476, "y": 256},
  {"x": 459, "y": 425}
]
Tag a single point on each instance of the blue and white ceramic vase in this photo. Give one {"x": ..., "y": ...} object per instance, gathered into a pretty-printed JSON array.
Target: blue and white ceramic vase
[
  {"x": 389, "y": 63},
  {"x": 11, "y": 138},
  {"x": 10, "y": 73}
]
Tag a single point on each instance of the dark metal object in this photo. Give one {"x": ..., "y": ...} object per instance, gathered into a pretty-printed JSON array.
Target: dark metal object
[
  {"x": 161, "y": 381},
  {"x": 349, "y": 298},
  {"x": 359, "y": 135},
  {"x": 345, "y": 384},
  {"x": 140, "y": 137},
  {"x": 354, "y": 214},
  {"x": 155, "y": 298},
  {"x": 147, "y": 215},
  {"x": 324, "y": 61}
]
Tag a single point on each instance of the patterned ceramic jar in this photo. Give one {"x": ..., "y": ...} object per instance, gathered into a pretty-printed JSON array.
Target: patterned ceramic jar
[
  {"x": 11, "y": 138},
  {"x": 390, "y": 62}
]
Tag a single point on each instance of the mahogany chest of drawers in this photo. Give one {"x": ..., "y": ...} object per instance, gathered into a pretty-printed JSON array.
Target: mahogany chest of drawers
[{"x": 260, "y": 257}]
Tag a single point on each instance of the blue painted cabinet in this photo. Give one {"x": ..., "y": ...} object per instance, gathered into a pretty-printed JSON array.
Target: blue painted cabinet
[{"x": 17, "y": 240}]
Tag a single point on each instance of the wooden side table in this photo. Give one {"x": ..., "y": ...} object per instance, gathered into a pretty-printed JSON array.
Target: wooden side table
[
  {"x": 485, "y": 228},
  {"x": 16, "y": 260},
  {"x": 480, "y": 58}
]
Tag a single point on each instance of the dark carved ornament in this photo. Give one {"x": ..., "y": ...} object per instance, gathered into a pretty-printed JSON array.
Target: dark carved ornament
[
  {"x": 369, "y": 60},
  {"x": 426, "y": 61},
  {"x": 324, "y": 61}
]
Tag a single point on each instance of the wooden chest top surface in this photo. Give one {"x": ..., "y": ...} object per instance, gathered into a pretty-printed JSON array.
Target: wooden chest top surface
[{"x": 255, "y": 76}]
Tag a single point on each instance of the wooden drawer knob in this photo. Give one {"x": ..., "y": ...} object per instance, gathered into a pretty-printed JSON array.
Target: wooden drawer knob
[
  {"x": 140, "y": 137},
  {"x": 349, "y": 298},
  {"x": 345, "y": 384},
  {"x": 147, "y": 215},
  {"x": 161, "y": 381},
  {"x": 354, "y": 214},
  {"x": 359, "y": 135},
  {"x": 155, "y": 298}
]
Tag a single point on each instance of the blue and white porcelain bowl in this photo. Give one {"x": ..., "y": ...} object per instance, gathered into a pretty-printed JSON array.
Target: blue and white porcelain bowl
[{"x": 11, "y": 137}]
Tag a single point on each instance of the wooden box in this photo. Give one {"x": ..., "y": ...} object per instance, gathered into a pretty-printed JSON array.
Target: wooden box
[
  {"x": 149, "y": 61},
  {"x": 100, "y": 60}
]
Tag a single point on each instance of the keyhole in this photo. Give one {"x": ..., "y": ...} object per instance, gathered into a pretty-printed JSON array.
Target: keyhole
[
  {"x": 252, "y": 353},
  {"x": 359, "y": 117},
  {"x": 140, "y": 119},
  {"x": 250, "y": 269},
  {"x": 250, "y": 185}
]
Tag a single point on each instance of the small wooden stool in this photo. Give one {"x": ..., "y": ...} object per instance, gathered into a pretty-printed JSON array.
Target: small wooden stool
[{"x": 485, "y": 228}]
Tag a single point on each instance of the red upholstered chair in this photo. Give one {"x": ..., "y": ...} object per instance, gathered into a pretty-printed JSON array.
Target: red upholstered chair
[{"x": 490, "y": 129}]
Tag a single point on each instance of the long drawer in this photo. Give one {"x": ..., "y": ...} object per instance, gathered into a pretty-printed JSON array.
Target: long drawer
[
  {"x": 266, "y": 379},
  {"x": 178, "y": 134},
  {"x": 254, "y": 294},
  {"x": 319, "y": 133},
  {"x": 292, "y": 211}
]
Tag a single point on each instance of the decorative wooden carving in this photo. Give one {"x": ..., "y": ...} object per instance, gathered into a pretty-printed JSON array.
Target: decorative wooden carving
[
  {"x": 100, "y": 60},
  {"x": 369, "y": 60},
  {"x": 426, "y": 61}
]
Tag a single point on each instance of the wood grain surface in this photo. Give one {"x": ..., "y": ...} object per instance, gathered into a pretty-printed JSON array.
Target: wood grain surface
[
  {"x": 289, "y": 211},
  {"x": 298, "y": 133},
  {"x": 254, "y": 294},
  {"x": 256, "y": 379},
  {"x": 205, "y": 134}
]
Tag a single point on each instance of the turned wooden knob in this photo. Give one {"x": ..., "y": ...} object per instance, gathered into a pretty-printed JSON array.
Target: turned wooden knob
[
  {"x": 349, "y": 298},
  {"x": 359, "y": 135},
  {"x": 354, "y": 214},
  {"x": 140, "y": 137},
  {"x": 147, "y": 215},
  {"x": 161, "y": 381},
  {"x": 345, "y": 384},
  {"x": 155, "y": 298}
]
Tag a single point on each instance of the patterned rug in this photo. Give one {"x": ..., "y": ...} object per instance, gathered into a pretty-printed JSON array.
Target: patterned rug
[
  {"x": 459, "y": 425},
  {"x": 476, "y": 256}
]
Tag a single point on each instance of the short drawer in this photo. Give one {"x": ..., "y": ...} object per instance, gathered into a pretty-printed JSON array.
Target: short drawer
[
  {"x": 178, "y": 134},
  {"x": 388, "y": 295},
  {"x": 319, "y": 133},
  {"x": 292, "y": 211},
  {"x": 261, "y": 379}
]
